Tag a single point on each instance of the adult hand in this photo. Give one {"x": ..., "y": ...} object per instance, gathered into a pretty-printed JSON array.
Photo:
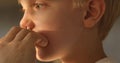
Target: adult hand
[{"x": 17, "y": 46}]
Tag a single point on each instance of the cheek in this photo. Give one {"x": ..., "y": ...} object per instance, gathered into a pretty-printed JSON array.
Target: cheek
[
  {"x": 58, "y": 28},
  {"x": 55, "y": 21},
  {"x": 61, "y": 32}
]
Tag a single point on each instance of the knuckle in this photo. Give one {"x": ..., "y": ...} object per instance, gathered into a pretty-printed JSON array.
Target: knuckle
[
  {"x": 3, "y": 39},
  {"x": 2, "y": 45},
  {"x": 15, "y": 27}
]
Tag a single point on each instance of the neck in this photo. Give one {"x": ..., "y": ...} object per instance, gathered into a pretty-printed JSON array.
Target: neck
[
  {"x": 90, "y": 51},
  {"x": 90, "y": 55}
]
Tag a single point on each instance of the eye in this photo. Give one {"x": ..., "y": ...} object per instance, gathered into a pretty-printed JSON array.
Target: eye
[{"x": 39, "y": 5}]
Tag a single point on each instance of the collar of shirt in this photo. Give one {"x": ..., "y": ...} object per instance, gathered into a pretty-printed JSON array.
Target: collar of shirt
[{"x": 105, "y": 60}]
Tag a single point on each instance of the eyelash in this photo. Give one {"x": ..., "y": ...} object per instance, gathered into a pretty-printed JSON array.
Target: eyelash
[{"x": 38, "y": 6}]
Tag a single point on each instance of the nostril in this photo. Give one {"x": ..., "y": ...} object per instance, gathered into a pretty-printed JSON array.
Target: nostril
[
  {"x": 30, "y": 25},
  {"x": 28, "y": 28}
]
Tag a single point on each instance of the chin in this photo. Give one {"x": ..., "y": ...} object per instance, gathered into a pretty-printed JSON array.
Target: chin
[
  {"x": 44, "y": 56},
  {"x": 44, "y": 59}
]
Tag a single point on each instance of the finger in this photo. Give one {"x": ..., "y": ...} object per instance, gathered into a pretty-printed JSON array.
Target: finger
[
  {"x": 31, "y": 37},
  {"x": 36, "y": 39},
  {"x": 20, "y": 36},
  {"x": 42, "y": 41},
  {"x": 12, "y": 33}
]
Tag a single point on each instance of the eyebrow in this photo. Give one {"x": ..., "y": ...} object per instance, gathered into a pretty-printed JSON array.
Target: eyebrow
[{"x": 19, "y": 1}]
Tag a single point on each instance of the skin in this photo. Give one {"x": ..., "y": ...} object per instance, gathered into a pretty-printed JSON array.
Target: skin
[
  {"x": 12, "y": 47},
  {"x": 65, "y": 32}
]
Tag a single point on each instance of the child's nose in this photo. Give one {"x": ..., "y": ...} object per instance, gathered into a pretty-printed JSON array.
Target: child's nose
[
  {"x": 27, "y": 25},
  {"x": 30, "y": 25}
]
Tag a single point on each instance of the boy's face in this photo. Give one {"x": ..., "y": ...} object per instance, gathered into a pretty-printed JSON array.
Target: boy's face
[{"x": 55, "y": 19}]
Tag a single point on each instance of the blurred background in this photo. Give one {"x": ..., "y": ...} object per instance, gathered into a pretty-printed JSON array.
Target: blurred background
[{"x": 10, "y": 15}]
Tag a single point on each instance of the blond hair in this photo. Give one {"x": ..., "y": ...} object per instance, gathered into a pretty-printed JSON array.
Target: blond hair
[{"x": 112, "y": 12}]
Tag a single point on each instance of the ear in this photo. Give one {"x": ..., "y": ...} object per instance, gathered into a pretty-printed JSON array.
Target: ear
[{"x": 94, "y": 12}]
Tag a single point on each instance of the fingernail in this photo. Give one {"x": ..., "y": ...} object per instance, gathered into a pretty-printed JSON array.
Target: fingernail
[{"x": 42, "y": 43}]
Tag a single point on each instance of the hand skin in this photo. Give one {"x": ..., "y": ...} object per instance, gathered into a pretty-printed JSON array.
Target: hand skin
[{"x": 17, "y": 46}]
